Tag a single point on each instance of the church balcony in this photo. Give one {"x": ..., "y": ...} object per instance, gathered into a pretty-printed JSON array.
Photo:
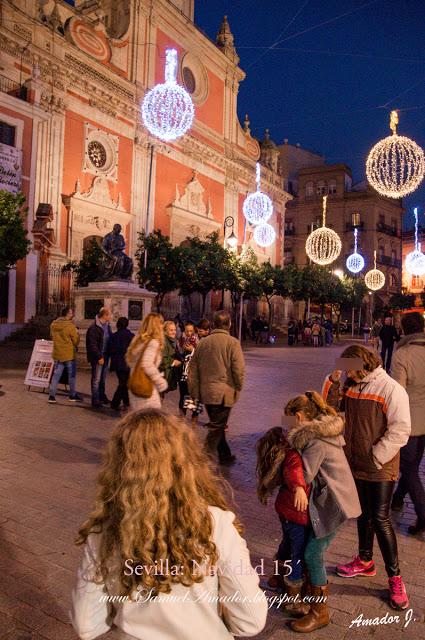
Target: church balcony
[{"x": 13, "y": 88}]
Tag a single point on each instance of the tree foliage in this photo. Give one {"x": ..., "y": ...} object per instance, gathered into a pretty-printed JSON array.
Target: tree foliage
[
  {"x": 87, "y": 269},
  {"x": 14, "y": 244},
  {"x": 162, "y": 273},
  {"x": 402, "y": 301}
]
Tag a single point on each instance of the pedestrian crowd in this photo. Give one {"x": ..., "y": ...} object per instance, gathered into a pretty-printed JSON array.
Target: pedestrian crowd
[
  {"x": 310, "y": 333},
  {"x": 163, "y": 541}
]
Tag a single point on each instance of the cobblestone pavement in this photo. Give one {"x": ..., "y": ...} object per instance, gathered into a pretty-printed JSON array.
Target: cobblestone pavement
[{"x": 49, "y": 457}]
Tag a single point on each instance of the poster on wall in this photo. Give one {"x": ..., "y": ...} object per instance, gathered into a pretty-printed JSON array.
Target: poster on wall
[
  {"x": 40, "y": 368},
  {"x": 10, "y": 168}
]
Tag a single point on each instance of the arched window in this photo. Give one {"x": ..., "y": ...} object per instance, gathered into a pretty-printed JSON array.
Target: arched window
[
  {"x": 381, "y": 251},
  {"x": 321, "y": 188},
  {"x": 309, "y": 189},
  {"x": 393, "y": 256},
  {"x": 393, "y": 280}
]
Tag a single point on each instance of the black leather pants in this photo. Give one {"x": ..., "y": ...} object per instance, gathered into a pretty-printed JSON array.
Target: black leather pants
[{"x": 375, "y": 500}]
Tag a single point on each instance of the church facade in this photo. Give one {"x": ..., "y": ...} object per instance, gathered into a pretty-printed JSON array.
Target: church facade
[{"x": 72, "y": 79}]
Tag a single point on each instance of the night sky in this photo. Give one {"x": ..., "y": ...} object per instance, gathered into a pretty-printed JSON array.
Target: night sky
[{"x": 335, "y": 71}]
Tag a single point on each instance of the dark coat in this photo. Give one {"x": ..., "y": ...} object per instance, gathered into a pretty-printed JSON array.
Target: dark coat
[
  {"x": 94, "y": 341},
  {"x": 117, "y": 348},
  {"x": 388, "y": 335},
  {"x": 334, "y": 498},
  {"x": 170, "y": 353}
]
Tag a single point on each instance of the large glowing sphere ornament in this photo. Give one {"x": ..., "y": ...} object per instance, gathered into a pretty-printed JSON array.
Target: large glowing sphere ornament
[
  {"x": 257, "y": 207},
  {"x": 323, "y": 245},
  {"x": 264, "y": 235},
  {"x": 415, "y": 260},
  {"x": 374, "y": 279},
  {"x": 395, "y": 166},
  {"x": 167, "y": 110},
  {"x": 355, "y": 261}
]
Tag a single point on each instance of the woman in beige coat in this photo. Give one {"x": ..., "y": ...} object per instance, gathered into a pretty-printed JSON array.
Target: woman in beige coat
[{"x": 145, "y": 351}]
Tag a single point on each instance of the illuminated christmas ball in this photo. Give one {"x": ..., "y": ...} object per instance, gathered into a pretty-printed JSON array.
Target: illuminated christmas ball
[
  {"x": 374, "y": 279},
  {"x": 167, "y": 109},
  {"x": 323, "y": 245},
  {"x": 355, "y": 262},
  {"x": 395, "y": 166},
  {"x": 415, "y": 263},
  {"x": 264, "y": 235},
  {"x": 257, "y": 208}
]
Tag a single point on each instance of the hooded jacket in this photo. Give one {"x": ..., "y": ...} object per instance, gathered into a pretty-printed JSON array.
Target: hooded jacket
[
  {"x": 65, "y": 339},
  {"x": 334, "y": 498},
  {"x": 408, "y": 368},
  {"x": 377, "y": 424}
]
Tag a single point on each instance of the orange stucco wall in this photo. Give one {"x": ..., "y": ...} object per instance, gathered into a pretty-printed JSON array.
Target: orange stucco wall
[
  {"x": 210, "y": 113},
  {"x": 168, "y": 174},
  {"x": 73, "y": 164}
]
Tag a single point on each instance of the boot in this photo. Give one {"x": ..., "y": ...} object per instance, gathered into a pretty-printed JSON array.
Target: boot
[
  {"x": 276, "y": 582},
  {"x": 318, "y": 616},
  {"x": 296, "y": 607}
]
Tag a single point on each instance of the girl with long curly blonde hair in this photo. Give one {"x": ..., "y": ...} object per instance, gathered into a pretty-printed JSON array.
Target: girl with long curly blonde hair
[
  {"x": 145, "y": 351},
  {"x": 161, "y": 543}
]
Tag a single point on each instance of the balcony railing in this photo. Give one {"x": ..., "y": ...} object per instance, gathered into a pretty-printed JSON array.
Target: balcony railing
[
  {"x": 12, "y": 88},
  {"x": 350, "y": 227},
  {"x": 388, "y": 261},
  {"x": 390, "y": 230}
]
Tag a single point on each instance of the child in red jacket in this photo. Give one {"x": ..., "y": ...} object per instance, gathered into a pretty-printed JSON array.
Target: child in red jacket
[{"x": 280, "y": 466}]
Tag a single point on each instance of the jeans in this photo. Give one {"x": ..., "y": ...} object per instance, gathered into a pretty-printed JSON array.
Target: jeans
[
  {"x": 121, "y": 392},
  {"x": 98, "y": 378},
  {"x": 218, "y": 416},
  {"x": 71, "y": 367},
  {"x": 387, "y": 350},
  {"x": 410, "y": 482},
  {"x": 314, "y": 558},
  {"x": 292, "y": 547},
  {"x": 375, "y": 501}
]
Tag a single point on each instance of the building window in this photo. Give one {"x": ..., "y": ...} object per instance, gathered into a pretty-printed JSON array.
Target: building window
[
  {"x": 189, "y": 80},
  {"x": 332, "y": 186},
  {"x": 381, "y": 218},
  {"x": 393, "y": 256},
  {"x": 381, "y": 252},
  {"x": 355, "y": 219},
  {"x": 309, "y": 189},
  {"x": 7, "y": 134},
  {"x": 394, "y": 225},
  {"x": 321, "y": 188},
  {"x": 415, "y": 282},
  {"x": 393, "y": 280}
]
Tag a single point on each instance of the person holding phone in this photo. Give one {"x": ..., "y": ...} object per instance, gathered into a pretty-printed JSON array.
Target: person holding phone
[{"x": 377, "y": 425}]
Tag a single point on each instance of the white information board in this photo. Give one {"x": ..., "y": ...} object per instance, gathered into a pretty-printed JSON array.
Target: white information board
[{"x": 40, "y": 368}]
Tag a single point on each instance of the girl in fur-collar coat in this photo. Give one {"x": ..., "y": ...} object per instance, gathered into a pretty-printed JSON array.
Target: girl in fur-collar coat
[{"x": 333, "y": 500}]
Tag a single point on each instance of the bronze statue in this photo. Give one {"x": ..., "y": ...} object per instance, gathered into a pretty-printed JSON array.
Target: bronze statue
[{"x": 116, "y": 265}]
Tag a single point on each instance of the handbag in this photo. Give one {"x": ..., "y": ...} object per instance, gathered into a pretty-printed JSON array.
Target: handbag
[{"x": 139, "y": 383}]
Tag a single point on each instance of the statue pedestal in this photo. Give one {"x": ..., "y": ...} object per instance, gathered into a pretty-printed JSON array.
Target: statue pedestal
[{"x": 123, "y": 297}]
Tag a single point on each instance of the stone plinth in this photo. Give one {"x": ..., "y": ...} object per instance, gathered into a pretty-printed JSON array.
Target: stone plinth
[{"x": 123, "y": 297}]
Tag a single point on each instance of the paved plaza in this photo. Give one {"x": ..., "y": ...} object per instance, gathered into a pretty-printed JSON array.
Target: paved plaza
[{"x": 49, "y": 458}]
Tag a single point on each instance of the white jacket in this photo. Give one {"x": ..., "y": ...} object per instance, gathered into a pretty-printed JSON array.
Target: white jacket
[
  {"x": 408, "y": 368},
  {"x": 191, "y": 613}
]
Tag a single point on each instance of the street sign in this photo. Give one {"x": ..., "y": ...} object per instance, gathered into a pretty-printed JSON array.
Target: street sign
[{"x": 40, "y": 368}]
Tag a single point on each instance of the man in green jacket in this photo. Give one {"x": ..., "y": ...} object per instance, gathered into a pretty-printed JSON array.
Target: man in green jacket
[
  {"x": 65, "y": 342},
  {"x": 216, "y": 377}
]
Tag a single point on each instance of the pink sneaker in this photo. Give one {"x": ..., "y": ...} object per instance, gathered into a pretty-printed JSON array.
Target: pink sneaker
[
  {"x": 356, "y": 568},
  {"x": 398, "y": 595}
]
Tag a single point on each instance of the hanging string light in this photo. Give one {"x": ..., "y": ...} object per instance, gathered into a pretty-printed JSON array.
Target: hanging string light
[
  {"x": 264, "y": 235},
  {"x": 415, "y": 260},
  {"x": 167, "y": 109},
  {"x": 395, "y": 166},
  {"x": 374, "y": 279},
  {"x": 323, "y": 245},
  {"x": 257, "y": 207},
  {"x": 355, "y": 261}
]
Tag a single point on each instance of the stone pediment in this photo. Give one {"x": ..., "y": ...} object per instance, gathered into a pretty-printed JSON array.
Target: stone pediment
[
  {"x": 189, "y": 214},
  {"x": 192, "y": 200},
  {"x": 98, "y": 194}
]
